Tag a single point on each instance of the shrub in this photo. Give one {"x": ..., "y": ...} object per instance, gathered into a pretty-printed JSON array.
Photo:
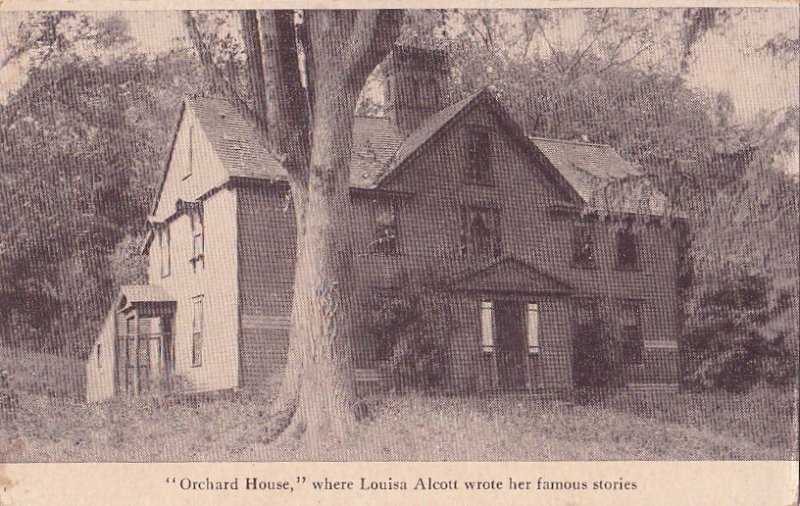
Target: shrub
[
  {"x": 408, "y": 329},
  {"x": 8, "y": 399},
  {"x": 739, "y": 331}
]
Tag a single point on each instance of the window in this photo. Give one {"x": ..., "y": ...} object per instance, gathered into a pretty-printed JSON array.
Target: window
[
  {"x": 99, "y": 361},
  {"x": 197, "y": 331},
  {"x": 631, "y": 332},
  {"x": 386, "y": 234},
  {"x": 627, "y": 249},
  {"x": 166, "y": 260},
  {"x": 480, "y": 232},
  {"x": 198, "y": 238},
  {"x": 583, "y": 253},
  {"x": 487, "y": 326},
  {"x": 479, "y": 155},
  {"x": 190, "y": 153},
  {"x": 587, "y": 317},
  {"x": 533, "y": 328}
]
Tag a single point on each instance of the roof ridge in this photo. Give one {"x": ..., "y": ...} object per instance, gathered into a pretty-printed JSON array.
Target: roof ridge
[{"x": 564, "y": 141}]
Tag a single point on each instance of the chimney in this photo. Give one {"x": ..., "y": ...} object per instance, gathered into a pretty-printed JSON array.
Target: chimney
[{"x": 415, "y": 85}]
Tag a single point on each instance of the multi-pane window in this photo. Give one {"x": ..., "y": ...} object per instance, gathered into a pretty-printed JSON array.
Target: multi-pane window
[
  {"x": 479, "y": 156},
  {"x": 197, "y": 331},
  {"x": 631, "y": 332},
  {"x": 164, "y": 247},
  {"x": 386, "y": 241},
  {"x": 480, "y": 232},
  {"x": 627, "y": 249},
  {"x": 198, "y": 238},
  {"x": 583, "y": 253}
]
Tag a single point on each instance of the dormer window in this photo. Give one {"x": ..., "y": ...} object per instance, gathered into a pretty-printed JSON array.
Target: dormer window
[
  {"x": 386, "y": 234},
  {"x": 479, "y": 156}
]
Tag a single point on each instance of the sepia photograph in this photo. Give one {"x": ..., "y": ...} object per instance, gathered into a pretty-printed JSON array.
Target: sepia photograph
[{"x": 421, "y": 235}]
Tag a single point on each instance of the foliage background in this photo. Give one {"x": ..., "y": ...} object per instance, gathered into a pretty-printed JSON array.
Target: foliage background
[{"x": 84, "y": 133}]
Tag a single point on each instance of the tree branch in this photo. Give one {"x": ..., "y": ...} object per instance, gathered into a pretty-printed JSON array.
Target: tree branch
[
  {"x": 287, "y": 100},
  {"x": 255, "y": 64}
]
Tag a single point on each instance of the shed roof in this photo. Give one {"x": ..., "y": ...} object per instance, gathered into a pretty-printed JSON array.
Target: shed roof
[{"x": 603, "y": 178}]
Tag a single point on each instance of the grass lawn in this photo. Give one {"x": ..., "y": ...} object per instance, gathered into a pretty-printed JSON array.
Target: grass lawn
[{"x": 688, "y": 427}]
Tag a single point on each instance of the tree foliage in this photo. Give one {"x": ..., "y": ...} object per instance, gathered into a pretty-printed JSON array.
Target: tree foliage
[{"x": 82, "y": 142}]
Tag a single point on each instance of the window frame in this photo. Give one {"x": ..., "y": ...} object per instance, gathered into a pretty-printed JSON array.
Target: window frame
[
  {"x": 628, "y": 343},
  {"x": 165, "y": 250},
  {"x": 196, "y": 349},
  {"x": 578, "y": 229},
  {"x": 190, "y": 154},
  {"x": 375, "y": 246},
  {"x": 479, "y": 163},
  {"x": 634, "y": 237},
  {"x": 495, "y": 227},
  {"x": 196, "y": 218}
]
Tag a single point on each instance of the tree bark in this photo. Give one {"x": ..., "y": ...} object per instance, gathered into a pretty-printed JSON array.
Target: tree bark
[{"x": 311, "y": 129}]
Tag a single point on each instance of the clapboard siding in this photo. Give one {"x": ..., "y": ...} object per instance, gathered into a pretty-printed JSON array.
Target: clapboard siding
[{"x": 266, "y": 252}]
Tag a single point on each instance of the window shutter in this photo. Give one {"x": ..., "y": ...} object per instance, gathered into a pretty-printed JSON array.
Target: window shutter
[
  {"x": 533, "y": 328},
  {"x": 487, "y": 326}
]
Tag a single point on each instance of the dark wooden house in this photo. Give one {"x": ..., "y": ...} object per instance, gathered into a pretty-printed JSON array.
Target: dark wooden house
[{"x": 561, "y": 261}]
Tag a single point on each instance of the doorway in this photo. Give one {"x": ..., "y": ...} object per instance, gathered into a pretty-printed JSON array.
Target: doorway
[
  {"x": 510, "y": 345},
  {"x": 590, "y": 364}
]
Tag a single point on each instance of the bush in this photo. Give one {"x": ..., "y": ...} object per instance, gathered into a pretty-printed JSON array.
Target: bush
[
  {"x": 8, "y": 399},
  {"x": 739, "y": 331},
  {"x": 408, "y": 329}
]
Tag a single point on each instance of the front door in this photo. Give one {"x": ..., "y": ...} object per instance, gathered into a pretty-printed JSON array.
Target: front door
[
  {"x": 590, "y": 366},
  {"x": 510, "y": 345}
]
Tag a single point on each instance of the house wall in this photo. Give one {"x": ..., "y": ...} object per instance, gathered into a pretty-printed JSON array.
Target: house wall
[
  {"x": 533, "y": 233},
  {"x": 548, "y": 370},
  {"x": 217, "y": 282},
  {"x": 429, "y": 223},
  {"x": 100, "y": 372},
  {"x": 266, "y": 252}
]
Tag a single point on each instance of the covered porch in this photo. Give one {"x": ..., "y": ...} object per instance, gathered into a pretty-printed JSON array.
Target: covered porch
[
  {"x": 144, "y": 340},
  {"x": 520, "y": 331}
]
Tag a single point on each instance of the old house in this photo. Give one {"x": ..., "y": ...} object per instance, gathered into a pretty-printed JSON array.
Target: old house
[{"x": 562, "y": 262}]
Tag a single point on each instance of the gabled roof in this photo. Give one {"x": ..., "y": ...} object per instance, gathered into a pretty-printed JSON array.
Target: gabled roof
[
  {"x": 508, "y": 274},
  {"x": 380, "y": 151},
  {"x": 603, "y": 178},
  {"x": 234, "y": 140}
]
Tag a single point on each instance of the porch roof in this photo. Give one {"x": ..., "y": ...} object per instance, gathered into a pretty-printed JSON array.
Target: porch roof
[
  {"x": 509, "y": 274},
  {"x": 139, "y": 294}
]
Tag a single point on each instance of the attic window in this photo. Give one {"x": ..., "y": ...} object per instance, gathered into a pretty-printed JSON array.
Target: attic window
[
  {"x": 480, "y": 232},
  {"x": 190, "y": 153},
  {"x": 386, "y": 234},
  {"x": 479, "y": 156}
]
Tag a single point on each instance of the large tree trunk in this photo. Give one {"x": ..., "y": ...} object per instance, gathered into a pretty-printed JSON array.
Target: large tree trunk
[{"x": 310, "y": 130}]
